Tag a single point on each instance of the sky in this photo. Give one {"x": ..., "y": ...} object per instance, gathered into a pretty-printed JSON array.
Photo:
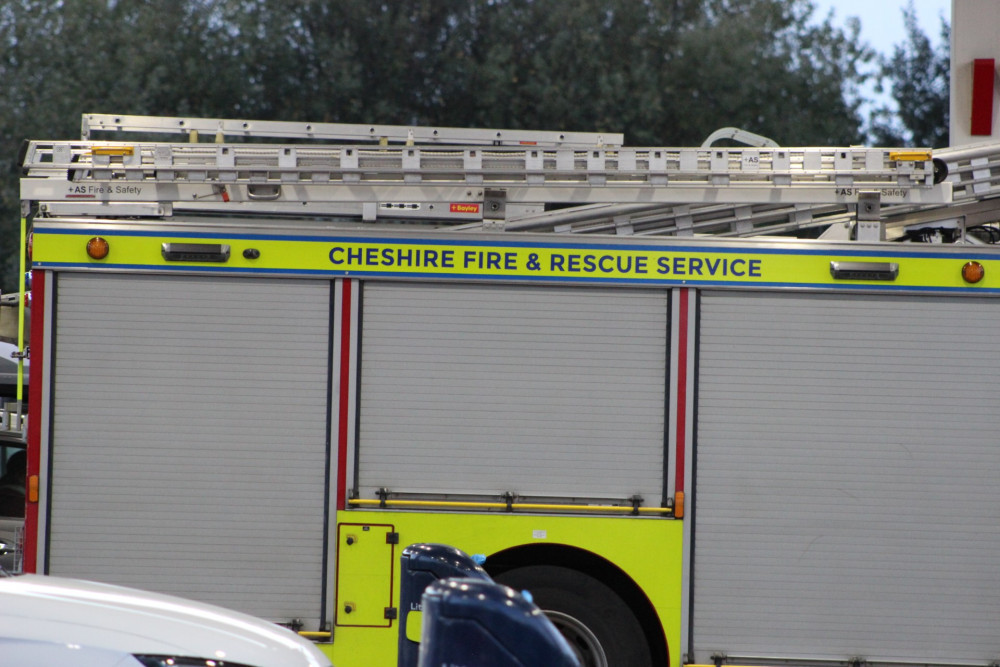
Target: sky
[
  {"x": 882, "y": 26},
  {"x": 882, "y": 20}
]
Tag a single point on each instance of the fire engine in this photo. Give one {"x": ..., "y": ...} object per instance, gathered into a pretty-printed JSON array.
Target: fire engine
[{"x": 264, "y": 365}]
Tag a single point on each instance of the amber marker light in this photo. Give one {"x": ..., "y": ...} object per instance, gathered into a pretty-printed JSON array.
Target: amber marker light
[
  {"x": 973, "y": 272},
  {"x": 97, "y": 248}
]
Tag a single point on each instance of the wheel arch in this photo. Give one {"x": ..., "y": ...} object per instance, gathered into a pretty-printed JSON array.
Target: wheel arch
[{"x": 605, "y": 571}]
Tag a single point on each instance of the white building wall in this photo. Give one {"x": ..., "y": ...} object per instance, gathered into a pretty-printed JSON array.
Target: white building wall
[{"x": 975, "y": 26}]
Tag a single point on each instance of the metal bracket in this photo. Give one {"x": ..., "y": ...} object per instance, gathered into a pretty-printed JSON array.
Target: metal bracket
[
  {"x": 869, "y": 214},
  {"x": 509, "y": 498},
  {"x": 494, "y": 209}
]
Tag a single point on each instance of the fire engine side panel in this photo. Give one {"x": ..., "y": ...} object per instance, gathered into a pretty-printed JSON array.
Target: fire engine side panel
[
  {"x": 542, "y": 391},
  {"x": 846, "y": 497},
  {"x": 189, "y": 446}
]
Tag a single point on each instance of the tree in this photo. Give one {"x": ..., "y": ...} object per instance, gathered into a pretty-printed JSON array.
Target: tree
[
  {"x": 664, "y": 72},
  {"x": 768, "y": 68},
  {"x": 61, "y": 59},
  {"x": 918, "y": 75}
]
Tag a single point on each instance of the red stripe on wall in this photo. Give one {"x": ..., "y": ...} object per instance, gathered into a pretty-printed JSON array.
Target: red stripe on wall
[
  {"x": 344, "y": 398},
  {"x": 983, "y": 79},
  {"x": 682, "y": 372}
]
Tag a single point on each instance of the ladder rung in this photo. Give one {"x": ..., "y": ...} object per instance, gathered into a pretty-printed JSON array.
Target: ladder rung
[
  {"x": 341, "y": 132},
  {"x": 503, "y": 166}
]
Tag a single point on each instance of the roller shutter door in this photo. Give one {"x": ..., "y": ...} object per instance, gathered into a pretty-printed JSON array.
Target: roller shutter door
[
  {"x": 545, "y": 392},
  {"x": 846, "y": 495},
  {"x": 189, "y": 438}
]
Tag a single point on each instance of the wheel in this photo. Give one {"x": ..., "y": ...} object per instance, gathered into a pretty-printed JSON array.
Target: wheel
[{"x": 596, "y": 622}]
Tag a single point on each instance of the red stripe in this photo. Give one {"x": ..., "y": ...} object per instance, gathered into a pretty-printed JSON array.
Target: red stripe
[
  {"x": 31, "y": 536},
  {"x": 345, "y": 384},
  {"x": 983, "y": 79},
  {"x": 682, "y": 369}
]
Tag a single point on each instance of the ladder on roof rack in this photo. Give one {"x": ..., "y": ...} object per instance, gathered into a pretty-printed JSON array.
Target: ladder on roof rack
[
  {"x": 470, "y": 179},
  {"x": 455, "y": 183},
  {"x": 219, "y": 128}
]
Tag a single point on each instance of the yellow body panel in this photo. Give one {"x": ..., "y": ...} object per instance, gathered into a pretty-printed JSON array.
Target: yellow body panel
[
  {"x": 647, "y": 549},
  {"x": 363, "y": 592},
  {"x": 664, "y": 264}
]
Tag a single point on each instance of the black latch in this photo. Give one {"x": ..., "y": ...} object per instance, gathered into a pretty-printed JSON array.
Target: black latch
[
  {"x": 392, "y": 538},
  {"x": 195, "y": 252},
  {"x": 864, "y": 270},
  {"x": 391, "y": 613}
]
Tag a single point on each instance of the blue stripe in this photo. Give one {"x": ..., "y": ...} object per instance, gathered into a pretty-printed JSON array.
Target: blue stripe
[{"x": 653, "y": 282}]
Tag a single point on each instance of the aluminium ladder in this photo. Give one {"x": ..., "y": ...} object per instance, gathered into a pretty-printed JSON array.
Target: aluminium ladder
[{"x": 468, "y": 179}]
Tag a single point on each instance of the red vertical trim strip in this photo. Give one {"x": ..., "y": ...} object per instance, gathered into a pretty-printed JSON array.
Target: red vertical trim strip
[
  {"x": 345, "y": 393},
  {"x": 35, "y": 411},
  {"x": 682, "y": 371},
  {"x": 983, "y": 78}
]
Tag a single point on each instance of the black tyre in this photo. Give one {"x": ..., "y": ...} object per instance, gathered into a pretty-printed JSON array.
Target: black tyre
[{"x": 600, "y": 627}]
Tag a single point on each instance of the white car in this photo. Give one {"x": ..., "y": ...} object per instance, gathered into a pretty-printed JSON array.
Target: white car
[{"x": 48, "y": 621}]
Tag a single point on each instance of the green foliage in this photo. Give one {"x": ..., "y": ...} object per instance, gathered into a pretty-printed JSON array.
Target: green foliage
[
  {"x": 918, "y": 75},
  {"x": 664, "y": 72},
  {"x": 60, "y": 59}
]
